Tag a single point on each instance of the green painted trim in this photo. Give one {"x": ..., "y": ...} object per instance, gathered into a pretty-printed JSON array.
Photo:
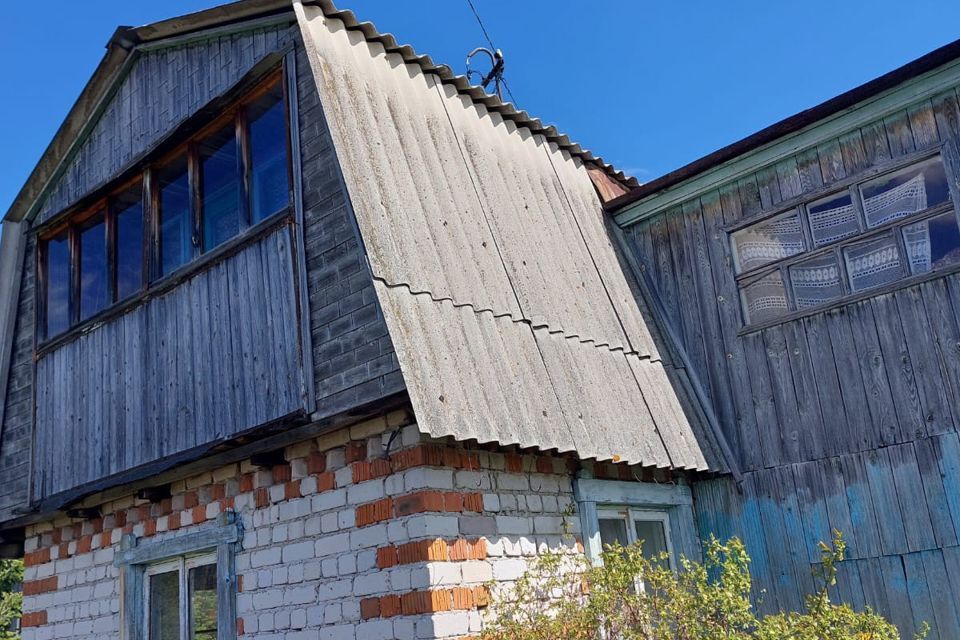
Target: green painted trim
[{"x": 907, "y": 94}]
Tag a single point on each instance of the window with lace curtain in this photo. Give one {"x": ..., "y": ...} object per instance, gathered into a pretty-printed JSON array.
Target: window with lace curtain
[{"x": 886, "y": 226}]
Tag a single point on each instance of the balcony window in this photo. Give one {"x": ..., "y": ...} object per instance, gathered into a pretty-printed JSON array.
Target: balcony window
[{"x": 198, "y": 194}]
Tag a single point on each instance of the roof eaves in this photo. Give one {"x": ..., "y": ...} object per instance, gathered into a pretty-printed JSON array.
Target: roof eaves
[{"x": 790, "y": 125}]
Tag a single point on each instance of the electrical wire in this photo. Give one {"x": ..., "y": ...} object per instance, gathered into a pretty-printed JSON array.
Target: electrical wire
[{"x": 494, "y": 48}]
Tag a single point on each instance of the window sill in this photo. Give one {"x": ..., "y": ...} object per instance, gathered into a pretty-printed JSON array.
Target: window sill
[
  {"x": 168, "y": 282},
  {"x": 851, "y": 299}
]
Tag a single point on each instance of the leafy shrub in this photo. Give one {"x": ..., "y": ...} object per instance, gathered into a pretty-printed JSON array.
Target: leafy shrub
[
  {"x": 11, "y": 575},
  {"x": 631, "y": 597}
]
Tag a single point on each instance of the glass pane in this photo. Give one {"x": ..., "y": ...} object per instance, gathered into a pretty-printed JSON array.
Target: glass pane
[
  {"x": 220, "y": 187},
  {"x": 767, "y": 241},
  {"x": 932, "y": 243},
  {"x": 176, "y": 246},
  {"x": 904, "y": 192},
  {"x": 816, "y": 281},
  {"x": 872, "y": 263},
  {"x": 203, "y": 602},
  {"x": 765, "y": 299},
  {"x": 58, "y": 284},
  {"x": 128, "y": 207},
  {"x": 94, "y": 292},
  {"x": 832, "y": 218},
  {"x": 613, "y": 530},
  {"x": 164, "y": 614},
  {"x": 653, "y": 536},
  {"x": 269, "y": 183}
]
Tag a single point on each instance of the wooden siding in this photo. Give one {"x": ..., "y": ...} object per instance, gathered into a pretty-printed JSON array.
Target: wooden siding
[
  {"x": 842, "y": 419},
  {"x": 353, "y": 356},
  {"x": 213, "y": 358},
  {"x": 15, "y": 432}
]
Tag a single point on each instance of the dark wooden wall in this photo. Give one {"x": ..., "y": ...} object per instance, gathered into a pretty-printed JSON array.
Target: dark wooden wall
[
  {"x": 214, "y": 357},
  {"x": 846, "y": 417}
]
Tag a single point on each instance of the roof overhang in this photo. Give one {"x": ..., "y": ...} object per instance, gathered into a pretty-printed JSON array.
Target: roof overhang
[{"x": 922, "y": 78}]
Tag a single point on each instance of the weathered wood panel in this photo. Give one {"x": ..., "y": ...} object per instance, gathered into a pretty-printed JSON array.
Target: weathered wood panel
[
  {"x": 214, "y": 357},
  {"x": 844, "y": 419}
]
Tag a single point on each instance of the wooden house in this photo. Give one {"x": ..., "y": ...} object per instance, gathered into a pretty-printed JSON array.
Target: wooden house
[{"x": 302, "y": 335}]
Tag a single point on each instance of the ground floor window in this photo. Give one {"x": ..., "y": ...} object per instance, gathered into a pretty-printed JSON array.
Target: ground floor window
[
  {"x": 180, "y": 599},
  {"x": 659, "y": 515},
  {"x": 181, "y": 588},
  {"x": 628, "y": 526}
]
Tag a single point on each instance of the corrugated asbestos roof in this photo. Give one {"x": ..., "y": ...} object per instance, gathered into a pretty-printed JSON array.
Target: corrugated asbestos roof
[{"x": 505, "y": 299}]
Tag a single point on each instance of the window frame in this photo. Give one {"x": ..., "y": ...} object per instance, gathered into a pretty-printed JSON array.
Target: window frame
[
  {"x": 144, "y": 173},
  {"x": 852, "y": 187},
  {"x": 636, "y": 514},
  {"x": 668, "y": 503},
  {"x": 182, "y": 566},
  {"x": 138, "y": 559}
]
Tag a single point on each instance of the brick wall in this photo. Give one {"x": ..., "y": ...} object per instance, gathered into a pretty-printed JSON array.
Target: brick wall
[{"x": 340, "y": 538}]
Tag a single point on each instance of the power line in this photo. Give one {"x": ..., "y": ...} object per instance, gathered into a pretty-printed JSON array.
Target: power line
[{"x": 493, "y": 47}]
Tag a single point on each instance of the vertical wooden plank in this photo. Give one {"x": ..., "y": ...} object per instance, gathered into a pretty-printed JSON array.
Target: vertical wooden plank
[
  {"x": 875, "y": 144},
  {"x": 812, "y": 507},
  {"x": 919, "y": 593},
  {"x": 943, "y": 599},
  {"x": 788, "y": 424},
  {"x": 873, "y": 371},
  {"x": 808, "y": 170},
  {"x": 822, "y": 361},
  {"x": 749, "y": 198},
  {"x": 831, "y": 162},
  {"x": 913, "y": 504},
  {"x": 769, "y": 187},
  {"x": 898, "y": 600},
  {"x": 899, "y": 134},
  {"x": 948, "y": 446},
  {"x": 763, "y": 399},
  {"x": 853, "y": 154},
  {"x": 946, "y": 112},
  {"x": 859, "y": 429},
  {"x": 945, "y": 336},
  {"x": 899, "y": 367},
  {"x": 788, "y": 176},
  {"x": 871, "y": 579},
  {"x": 928, "y": 463},
  {"x": 863, "y": 516},
  {"x": 923, "y": 124},
  {"x": 917, "y": 329},
  {"x": 811, "y": 435},
  {"x": 771, "y": 515},
  {"x": 793, "y": 526},
  {"x": 893, "y": 537},
  {"x": 838, "y": 510},
  {"x": 688, "y": 305}
]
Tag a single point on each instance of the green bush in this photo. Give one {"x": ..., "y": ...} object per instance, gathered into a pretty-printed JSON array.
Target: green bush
[
  {"x": 631, "y": 597},
  {"x": 11, "y": 575}
]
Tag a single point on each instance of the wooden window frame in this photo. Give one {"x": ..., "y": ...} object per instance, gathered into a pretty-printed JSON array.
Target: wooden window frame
[
  {"x": 152, "y": 281},
  {"x": 138, "y": 557},
  {"x": 851, "y": 186},
  {"x": 182, "y": 565}
]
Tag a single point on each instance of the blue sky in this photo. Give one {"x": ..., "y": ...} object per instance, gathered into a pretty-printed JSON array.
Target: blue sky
[{"x": 649, "y": 86}]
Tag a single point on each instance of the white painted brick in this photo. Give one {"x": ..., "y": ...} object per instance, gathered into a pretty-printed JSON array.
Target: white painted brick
[
  {"x": 298, "y": 552},
  {"x": 476, "y": 571},
  {"x": 330, "y": 545},
  {"x": 426, "y": 478},
  {"x": 265, "y": 557},
  {"x": 371, "y": 583},
  {"x": 301, "y": 595},
  {"x": 343, "y": 476},
  {"x": 516, "y": 525},
  {"x": 365, "y": 492},
  {"x": 508, "y": 568},
  {"x": 375, "y": 630},
  {"x": 329, "y": 500},
  {"x": 422, "y": 526},
  {"x": 372, "y": 536}
]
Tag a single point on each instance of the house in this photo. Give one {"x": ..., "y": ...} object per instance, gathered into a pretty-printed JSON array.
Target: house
[{"x": 306, "y": 337}]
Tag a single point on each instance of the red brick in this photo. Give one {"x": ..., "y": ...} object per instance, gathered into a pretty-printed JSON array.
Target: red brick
[
  {"x": 246, "y": 483},
  {"x": 386, "y": 557},
  {"x": 36, "y": 587},
  {"x": 325, "y": 481},
  {"x": 199, "y": 514},
  {"x": 33, "y": 619},
  {"x": 415, "y": 602},
  {"x": 374, "y": 512},
  {"x": 459, "y": 550},
  {"x": 227, "y": 504},
  {"x": 360, "y": 471},
  {"x": 261, "y": 498},
  {"x": 57, "y": 536},
  {"x": 453, "y": 501},
  {"x": 355, "y": 451},
  {"x": 173, "y": 521},
  {"x": 422, "y": 551},
  {"x": 544, "y": 464},
  {"x": 281, "y": 473},
  {"x": 370, "y": 608},
  {"x": 291, "y": 490},
  {"x": 470, "y": 461},
  {"x": 389, "y": 606},
  {"x": 317, "y": 463},
  {"x": 462, "y": 598},
  {"x": 217, "y": 491},
  {"x": 419, "y": 502},
  {"x": 65, "y": 549},
  {"x": 41, "y": 556},
  {"x": 514, "y": 462},
  {"x": 451, "y": 457},
  {"x": 601, "y": 471},
  {"x": 106, "y": 539},
  {"x": 481, "y": 597},
  {"x": 478, "y": 549},
  {"x": 149, "y": 529},
  {"x": 165, "y": 507},
  {"x": 380, "y": 468},
  {"x": 240, "y": 627},
  {"x": 121, "y": 517},
  {"x": 473, "y": 502},
  {"x": 97, "y": 524},
  {"x": 84, "y": 544},
  {"x": 190, "y": 500}
]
